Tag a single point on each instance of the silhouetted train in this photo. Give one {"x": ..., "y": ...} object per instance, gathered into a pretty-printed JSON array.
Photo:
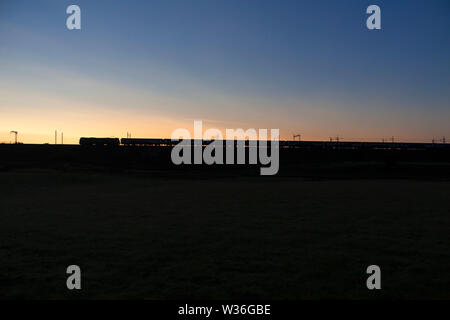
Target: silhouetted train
[
  {"x": 309, "y": 145},
  {"x": 146, "y": 142},
  {"x": 99, "y": 142}
]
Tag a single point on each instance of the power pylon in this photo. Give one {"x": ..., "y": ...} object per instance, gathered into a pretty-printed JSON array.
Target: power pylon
[{"x": 15, "y": 133}]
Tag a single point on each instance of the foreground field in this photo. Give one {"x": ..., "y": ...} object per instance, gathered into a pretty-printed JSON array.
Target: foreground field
[{"x": 154, "y": 237}]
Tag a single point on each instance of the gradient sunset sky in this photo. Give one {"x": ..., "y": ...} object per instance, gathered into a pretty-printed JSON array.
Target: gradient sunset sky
[{"x": 149, "y": 67}]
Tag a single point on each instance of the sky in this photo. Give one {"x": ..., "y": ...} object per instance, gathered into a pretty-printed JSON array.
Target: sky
[{"x": 150, "y": 67}]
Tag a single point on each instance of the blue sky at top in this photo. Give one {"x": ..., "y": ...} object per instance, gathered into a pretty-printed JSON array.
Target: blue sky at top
[{"x": 296, "y": 62}]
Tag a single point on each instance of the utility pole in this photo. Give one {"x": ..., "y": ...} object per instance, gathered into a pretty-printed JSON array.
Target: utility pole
[
  {"x": 299, "y": 136},
  {"x": 62, "y": 137}
]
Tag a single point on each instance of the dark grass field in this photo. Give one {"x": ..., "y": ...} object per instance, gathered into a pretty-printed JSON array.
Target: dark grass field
[{"x": 151, "y": 236}]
